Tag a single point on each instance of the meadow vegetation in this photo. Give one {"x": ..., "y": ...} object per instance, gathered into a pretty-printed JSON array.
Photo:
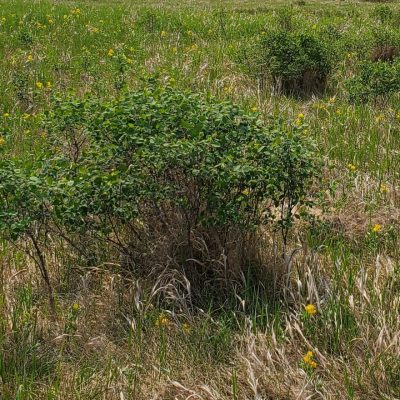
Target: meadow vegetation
[{"x": 199, "y": 200}]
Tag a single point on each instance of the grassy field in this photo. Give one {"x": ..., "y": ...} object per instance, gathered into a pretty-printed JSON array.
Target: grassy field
[{"x": 328, "y": 329}]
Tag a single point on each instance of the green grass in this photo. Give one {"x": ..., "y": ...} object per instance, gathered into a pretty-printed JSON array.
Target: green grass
[{"x": 251, "y": 343}]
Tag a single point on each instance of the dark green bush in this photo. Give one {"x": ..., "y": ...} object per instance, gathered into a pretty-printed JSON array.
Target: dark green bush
[
  {"x": 158, "y": 171},
  {"x": 383, "y": 13},
  {"x": 296, "y": 62},
  {"x": 374, "y": 80}
]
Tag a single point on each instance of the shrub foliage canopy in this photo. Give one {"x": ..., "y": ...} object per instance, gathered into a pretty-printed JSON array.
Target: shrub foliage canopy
[{"x": 142, "y": 164}]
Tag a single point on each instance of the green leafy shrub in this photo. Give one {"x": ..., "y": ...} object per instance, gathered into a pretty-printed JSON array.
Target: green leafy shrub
[
  {"x": 162, "y": 174},
  {"x": 24, "y": 211},
  {"x": 298, "y": 63},
  {"x": 385, "y": 44},
  {"x": 382, "y": 12},
  {"x": 374, "y": 80}
]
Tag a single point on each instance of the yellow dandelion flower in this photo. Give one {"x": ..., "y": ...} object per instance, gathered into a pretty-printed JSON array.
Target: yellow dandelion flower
[
  {"x": 26, "y": 116},
  {"x": 39, "y": 85},
  {"x": 308, "y": 356},
  {"x": 376, "y": 228},
  {"x": 300, "y": 116},
  {"x": 163, "y": 34},
  {"x": 309, "y": 359},
  {"x": 49, "y": 85},
  {"x": 254, "y": 109},
  {"x": 228, "y": 89},
  {"x": 245, "y": 192},
  {"x": 110, "y": 52},
  {"x": 351, "y": 167},
  {"x": 383, "y": 188},
  {"x": 29, "y": 58},
  {"x": 92, "y": 29},
  {"x": 310, "y": 309},
  {"x": 2, "y": 141},
  {"x": 6, "y": 115},
  {"x": 163, "y": 321},
  {"x": 75, "y": 307}
]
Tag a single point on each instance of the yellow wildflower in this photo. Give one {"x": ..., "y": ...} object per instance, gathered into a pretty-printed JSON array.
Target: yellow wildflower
[
  {"x": 308, "y": 356},
  {"x": 163, "y": 34},
  {"x": 49, "y": 85},
  {"x": 300, "y": 118},
  {"x": 39, "y": 85},
  {"x": 75, "y": 307},
  {"x": 245, "y": 192},
  {"x": 254, "y": 109},
  {"x": 308, "y": 359},
  {"x": 228, "y": 89},
  {"x": 376, "y": 228},
  {"x": 6, "y": 115},
  {"x": 110, "y": 52},
  {"x": 186, "y": 327},
  {"x": 92, "y": 29},
  {"x": 383, "y": 188},
  {"x": 2, "y": 141},
  {"x": 29, "y": 58},
  {"x": 351, "y": 167},
  {"x": 310, "y": 309},
  {"x": 163, "y": 320}
]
